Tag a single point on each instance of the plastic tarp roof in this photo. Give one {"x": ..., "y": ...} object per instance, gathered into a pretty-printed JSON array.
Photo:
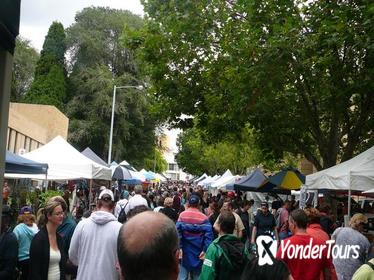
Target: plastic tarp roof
[
  {"x": 16, "y": 164},
  {"x": 355, "y": 174},
  {"x": 66, "y": 163},
  {"x": 93, "y": 156}
]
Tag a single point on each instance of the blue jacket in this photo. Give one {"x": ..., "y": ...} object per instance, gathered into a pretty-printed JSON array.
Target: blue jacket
[
  {"x": 24, "y": 235},
  {"x": 194, "y": 238}
]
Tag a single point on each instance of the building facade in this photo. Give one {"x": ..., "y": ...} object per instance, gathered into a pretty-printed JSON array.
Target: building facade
[
  {"x": 169, "y": 146},
  {"x": 32, "y": 125}
]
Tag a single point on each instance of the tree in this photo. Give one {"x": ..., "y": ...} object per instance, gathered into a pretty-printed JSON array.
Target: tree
[
  {"x": 156, "y": 163},
  {"x": 49, "y": 86},
  {"x": 98, "y": 62},
  {"x": 94, "y": 39},
  {"x": 197, "y": 156},
  {"x": 24, "y": 63},
  {"x": 300, "y": 73}
]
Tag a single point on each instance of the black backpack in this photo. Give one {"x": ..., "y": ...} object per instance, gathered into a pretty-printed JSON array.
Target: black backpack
[{"x": 122, "y": 217}]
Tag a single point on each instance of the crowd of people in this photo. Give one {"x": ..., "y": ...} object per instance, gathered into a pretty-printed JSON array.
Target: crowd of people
[{"x": 177, "y": 231}]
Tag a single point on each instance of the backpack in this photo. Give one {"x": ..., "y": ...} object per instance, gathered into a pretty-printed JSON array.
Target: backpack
[
  {"x": 278, "y": 219},
  {"x": 371, "y": 265},
  {"x": 231, "y": 263},
  {"x": 122, "y": 217}
]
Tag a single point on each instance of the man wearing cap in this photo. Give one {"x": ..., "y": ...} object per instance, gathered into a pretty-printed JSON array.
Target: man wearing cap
[
  {"x": 8, "y": 247},
  {"x": 94, "y": 242},
  {"x": 195, "y": 235},
  {"x": 264, "y": 224}
]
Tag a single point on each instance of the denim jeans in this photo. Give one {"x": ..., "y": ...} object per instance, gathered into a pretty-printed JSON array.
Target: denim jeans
[{"x": 183, "y": 274}]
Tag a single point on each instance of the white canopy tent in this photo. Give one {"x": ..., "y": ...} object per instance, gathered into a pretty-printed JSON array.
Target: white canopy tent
[
  {"x": 227, "y": 181},
  {"x": 65, "y": 163},
  {"x": 137, "y": 175},
  {"x": 222, "y": 180},
  {"x": 369, "y": 191},
  {"x": 205, "y": 181},
  {"x": 354, "y": 174},
  {"x": 202, "y": 177}
]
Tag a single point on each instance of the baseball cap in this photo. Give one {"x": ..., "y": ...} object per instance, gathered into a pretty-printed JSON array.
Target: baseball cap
[
  {"x": 194, "y": 199},
  {"x": 106, "y": 195},
  {"x": 231, "y": 194},
  {"x": 25, "y": 210}
]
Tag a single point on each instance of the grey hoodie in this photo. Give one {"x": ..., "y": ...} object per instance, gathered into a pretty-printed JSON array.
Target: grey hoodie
[{"x": 93, "y": 247}]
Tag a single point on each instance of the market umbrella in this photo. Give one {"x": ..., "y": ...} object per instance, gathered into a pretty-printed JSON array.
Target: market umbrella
[
  {"x": 289, "y": 178},
  {"x": 256, "y": 181},
  {"x": 120, "y": 173}
]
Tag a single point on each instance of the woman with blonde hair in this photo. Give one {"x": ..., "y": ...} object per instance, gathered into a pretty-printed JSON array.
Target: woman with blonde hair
[
  {"x": 47, "y": 257},
  {"x": 168, "y": 209},
  {"x": 25, "y": 232}
]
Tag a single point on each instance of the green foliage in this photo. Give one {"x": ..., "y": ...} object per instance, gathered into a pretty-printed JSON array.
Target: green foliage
[
  {"x": 240, "y": 154},
  {"x": 24, "y": 63},
  {"x": 49, "y": 86},
  {"x": 44, "y": 196},
  {"x": 98, "y": 62},
  {"x": 300, "y": 73},
  {"x": 94, "y": 39},
  {"x": 161, "y": 163},
  {"x": 55, "y": 43}
]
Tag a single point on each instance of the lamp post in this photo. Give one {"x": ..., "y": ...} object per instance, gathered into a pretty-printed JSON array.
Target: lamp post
[{"x": 112, "y": 119}]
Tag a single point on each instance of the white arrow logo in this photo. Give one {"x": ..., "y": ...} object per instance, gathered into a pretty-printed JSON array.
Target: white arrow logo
[{"x": 267, "y": 249}]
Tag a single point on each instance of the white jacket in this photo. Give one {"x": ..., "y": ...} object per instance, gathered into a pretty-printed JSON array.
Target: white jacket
[{"x": 93, "y": 247}]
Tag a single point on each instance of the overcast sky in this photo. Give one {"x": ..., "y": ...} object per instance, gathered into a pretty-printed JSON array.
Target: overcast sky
[{"x": 38, "y": 15}]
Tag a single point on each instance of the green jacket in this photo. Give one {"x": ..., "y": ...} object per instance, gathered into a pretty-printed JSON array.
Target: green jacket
[{"x": 225, "y": 258}]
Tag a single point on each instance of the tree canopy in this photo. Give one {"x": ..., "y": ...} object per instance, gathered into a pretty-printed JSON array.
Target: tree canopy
[
  {"x": 24, "y": 63},
  {"x": 99, "y": 60},
  {"x": 49, "y": 85},
  {"x": 299, "y": 72},
  {"x": 239, "y": 154}
]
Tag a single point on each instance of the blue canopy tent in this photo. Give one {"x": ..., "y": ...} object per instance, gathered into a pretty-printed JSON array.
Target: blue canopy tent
[
  {"x": 15, "y": 164},
  {"x": 256, "y": 181}
]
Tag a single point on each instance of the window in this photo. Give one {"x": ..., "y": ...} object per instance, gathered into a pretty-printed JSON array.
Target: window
[{"x": 173, "y": 166}]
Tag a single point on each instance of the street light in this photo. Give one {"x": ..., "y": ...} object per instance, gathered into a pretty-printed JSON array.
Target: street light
[{"x": 139, "y": 87}]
